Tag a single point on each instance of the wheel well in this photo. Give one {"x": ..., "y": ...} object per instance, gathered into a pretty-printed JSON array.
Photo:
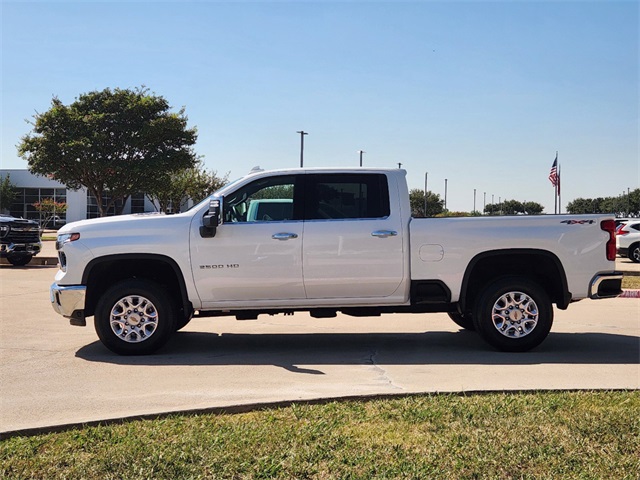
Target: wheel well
[
  {"x": 102, "y": 273},
  {"x": 542, "y": 267}
]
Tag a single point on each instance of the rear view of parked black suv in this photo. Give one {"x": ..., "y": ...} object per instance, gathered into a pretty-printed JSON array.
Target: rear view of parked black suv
[{"x": 19, "y": 239}]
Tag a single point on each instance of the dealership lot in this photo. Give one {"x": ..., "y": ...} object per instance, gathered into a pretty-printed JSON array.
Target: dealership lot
[{"x": 54, "y": 374}]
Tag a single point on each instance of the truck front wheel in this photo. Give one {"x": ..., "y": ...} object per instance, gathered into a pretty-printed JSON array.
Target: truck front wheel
[
  {"x": 19, "y": 260},
  {"x": 513, "y": 314},
  {"x": 135, "y": 317}
]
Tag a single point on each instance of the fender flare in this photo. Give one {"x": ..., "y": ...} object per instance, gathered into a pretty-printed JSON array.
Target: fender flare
[
  {"x": 562, "y": 301},
  {"x": 153, "y": 257}
]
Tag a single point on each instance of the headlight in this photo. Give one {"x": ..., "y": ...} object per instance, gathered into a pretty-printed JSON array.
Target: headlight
[
  {"x": 66, "y": 237},
  {"x": 4, "y": 230}
]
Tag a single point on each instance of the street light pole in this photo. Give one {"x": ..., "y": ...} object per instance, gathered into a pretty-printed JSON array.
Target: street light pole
[
  {"x": 445, "y": 193},
  {"x": 302, "y": 134},
  {"x": 474, "y": 201},
  {"x": 361, "y": 152},
  {"x": 426, "y": 175}
]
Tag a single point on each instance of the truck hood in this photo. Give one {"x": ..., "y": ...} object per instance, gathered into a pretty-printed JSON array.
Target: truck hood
[{"x": 125, "y": 223}]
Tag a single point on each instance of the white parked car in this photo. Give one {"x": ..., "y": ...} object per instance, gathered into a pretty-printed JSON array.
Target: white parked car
[{"x": 628, "y": 240}]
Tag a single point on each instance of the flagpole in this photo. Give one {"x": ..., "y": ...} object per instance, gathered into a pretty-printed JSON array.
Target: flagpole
[
  {"x": 555, "y": 188},
  {"x": 559, "y": 191}
]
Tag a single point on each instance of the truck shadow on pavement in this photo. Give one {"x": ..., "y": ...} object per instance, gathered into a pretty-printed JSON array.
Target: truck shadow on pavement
[{"x": 435, "y": 348}]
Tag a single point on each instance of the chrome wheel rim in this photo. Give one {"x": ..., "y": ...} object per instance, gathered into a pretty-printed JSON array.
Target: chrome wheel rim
[
  {"x": 134, "y": 319},
  {"x": 635, "y": 254},
  {"x": 515, "y": 315}
]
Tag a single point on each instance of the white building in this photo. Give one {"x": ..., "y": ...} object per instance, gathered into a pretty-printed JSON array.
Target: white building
[{"x": 80, "y": 204}]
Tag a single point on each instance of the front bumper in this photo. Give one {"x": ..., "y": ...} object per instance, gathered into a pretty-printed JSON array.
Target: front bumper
[
  {"x": 606, "y": 285},
  {"x": 20, "y": 249},
  {"x": 69, "y": 302}
]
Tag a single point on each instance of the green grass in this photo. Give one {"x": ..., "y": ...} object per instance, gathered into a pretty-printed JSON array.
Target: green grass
[
  {"x": 580, "y": 435},
  {"x": 631, "y": 281}
]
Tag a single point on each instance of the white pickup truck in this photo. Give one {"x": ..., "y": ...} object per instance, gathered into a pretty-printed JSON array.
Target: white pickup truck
[{"x": 323, "y": 241}]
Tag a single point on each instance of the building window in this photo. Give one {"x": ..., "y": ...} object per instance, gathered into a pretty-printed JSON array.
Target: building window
[
  {"x": 22, "y": 207},
  {"x": 137, "y": 203},
  {"x": 92, "y": 205}
]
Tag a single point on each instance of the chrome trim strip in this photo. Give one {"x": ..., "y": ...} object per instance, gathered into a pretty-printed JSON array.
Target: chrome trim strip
[{"x": 598, "y": 279}]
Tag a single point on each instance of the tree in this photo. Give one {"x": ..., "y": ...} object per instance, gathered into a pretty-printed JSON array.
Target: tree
[
  {"x": 49, "y": 208},
  {"x": 626, "y": 205},
  {"x": 532, "y": 208},
  {"x": 435, "y": 205},
  {"x": 193, "y": 183},
  {"x": 8, "y": 193},
  {"x": 513, "y": 207},
  {"x": 114, "y": 143}
]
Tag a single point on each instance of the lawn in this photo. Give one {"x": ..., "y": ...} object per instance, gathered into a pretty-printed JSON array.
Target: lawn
[{"x": 499, "y": 435}]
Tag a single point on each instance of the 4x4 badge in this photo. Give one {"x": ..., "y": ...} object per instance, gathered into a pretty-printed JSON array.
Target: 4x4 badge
[{"x": 578, "y": 222}]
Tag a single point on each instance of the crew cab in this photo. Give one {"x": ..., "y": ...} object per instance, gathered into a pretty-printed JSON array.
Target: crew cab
[{"x": 330, "y": 240}]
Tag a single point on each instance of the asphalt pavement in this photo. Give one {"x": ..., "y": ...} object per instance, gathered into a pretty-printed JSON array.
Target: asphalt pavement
[{"x": 54, "y": 375}]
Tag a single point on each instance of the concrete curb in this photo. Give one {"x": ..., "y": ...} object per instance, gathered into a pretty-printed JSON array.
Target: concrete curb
[{"x": 630, "y": 294}]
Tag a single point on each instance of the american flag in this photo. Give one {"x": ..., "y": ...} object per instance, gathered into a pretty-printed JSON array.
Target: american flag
[{"x": 553, "y": 174}]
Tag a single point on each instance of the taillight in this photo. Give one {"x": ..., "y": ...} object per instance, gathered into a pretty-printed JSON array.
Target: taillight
[
  {"x": 610, "y": 227},
  {"x": 622, "y": 232}
]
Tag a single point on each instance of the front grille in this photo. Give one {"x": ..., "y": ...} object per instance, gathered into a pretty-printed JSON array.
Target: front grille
[{"x": 23, "y": 234}]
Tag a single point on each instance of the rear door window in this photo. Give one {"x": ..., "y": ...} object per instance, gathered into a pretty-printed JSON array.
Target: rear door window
[{"x": 346, "y": 196}]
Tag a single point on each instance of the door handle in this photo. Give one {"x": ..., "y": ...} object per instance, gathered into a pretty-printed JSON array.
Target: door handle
[
  {"x": 384, "y": 233},
  {"x": 284, "y": 236}
]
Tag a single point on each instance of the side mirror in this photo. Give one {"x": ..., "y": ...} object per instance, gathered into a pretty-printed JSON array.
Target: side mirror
[{"x": 211, "y": 220}]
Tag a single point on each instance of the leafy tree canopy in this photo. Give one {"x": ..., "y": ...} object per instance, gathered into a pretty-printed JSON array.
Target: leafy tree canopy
[
  {"x": 195, "y": 183},
  {"x": 626, "y": 205},
  {"x": 8, "y": 193},
  {"x": 48, "y": 209},
  {"x": 113, "y": 142},
  {"x": 435, "y": 205},
  {"x": 513, "y": 207}
]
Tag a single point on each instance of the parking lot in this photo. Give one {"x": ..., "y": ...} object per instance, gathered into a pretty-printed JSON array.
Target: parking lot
[{"x": 54, "y": 374}]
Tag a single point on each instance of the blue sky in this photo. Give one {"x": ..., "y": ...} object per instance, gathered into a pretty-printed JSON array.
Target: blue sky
[{"x": 480, "y": 93}]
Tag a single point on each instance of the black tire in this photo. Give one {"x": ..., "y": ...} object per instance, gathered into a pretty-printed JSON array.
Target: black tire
[
  {"x": 513, "y": 314},
  {"x": 464, "y": 321},
  {"x": 135, "y": 317},
  {"x": 19, "y": 260},
  {"x": 634, "y": 253}
]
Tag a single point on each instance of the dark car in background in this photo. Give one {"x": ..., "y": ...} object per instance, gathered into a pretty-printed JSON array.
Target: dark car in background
[{"x": 19, "y": 239}]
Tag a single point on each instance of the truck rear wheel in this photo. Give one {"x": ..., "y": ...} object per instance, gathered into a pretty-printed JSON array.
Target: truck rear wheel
[
  {"x": 135, "y": 317},
  {"x": 513, "y": 314}
]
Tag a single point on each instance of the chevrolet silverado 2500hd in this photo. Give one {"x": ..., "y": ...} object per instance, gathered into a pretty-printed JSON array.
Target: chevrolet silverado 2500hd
[{"x": 323, "y": 241}]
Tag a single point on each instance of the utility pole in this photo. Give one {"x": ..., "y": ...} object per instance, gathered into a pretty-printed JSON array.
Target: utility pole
[
  {"x": 361, "y": 152},
  {"x": 302, "y": 134}
]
